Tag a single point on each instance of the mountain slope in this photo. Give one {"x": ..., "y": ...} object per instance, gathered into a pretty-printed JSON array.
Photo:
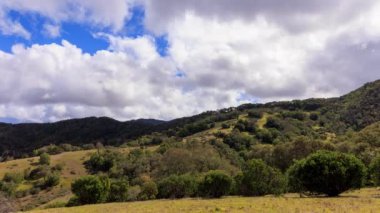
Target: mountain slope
[
  {"x": 355, "y": 110},
  {"x": 19, "y": 139},
  {"x": 362, "y": 107}
]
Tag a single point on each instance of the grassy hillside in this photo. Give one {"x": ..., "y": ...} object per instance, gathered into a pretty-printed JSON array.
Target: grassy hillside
[
  {"x": 364, "y": 200},
  {"x": 73, "y": 168}
]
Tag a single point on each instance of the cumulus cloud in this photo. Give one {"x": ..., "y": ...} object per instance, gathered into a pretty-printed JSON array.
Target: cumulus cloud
[
  {"x": 53, "y": 82},
  {"x": 111, "y": 13},
  {"x": 227, "y": 53},
  {"x": 293, "y": 15}
]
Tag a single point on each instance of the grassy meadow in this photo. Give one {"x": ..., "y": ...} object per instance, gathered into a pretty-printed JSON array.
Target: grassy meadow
[{"x": 364, "y": 200}]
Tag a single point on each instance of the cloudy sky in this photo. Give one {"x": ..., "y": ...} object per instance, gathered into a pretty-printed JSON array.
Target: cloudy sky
[{"x": 164, "y": 59}]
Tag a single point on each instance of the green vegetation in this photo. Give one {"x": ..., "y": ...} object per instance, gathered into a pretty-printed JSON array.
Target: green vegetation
[
  {"x": 149, "y": 191},
  {"x": 215, "y": 184},
  {"x": 260, "y": 179},
  {"x": 44, "y": 159},
  {"x": 118, "y": 191},
  {"x": 374, "y": 170},
  {"x": 91, "y": 189},
  {"x": 178, "y": 186},
  {"x": 328, "y": 173}
]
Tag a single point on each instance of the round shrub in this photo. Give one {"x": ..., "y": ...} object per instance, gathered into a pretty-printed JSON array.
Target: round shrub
[
  {"x": 51, "y": 180},
  {"x": 215, "y": 184},
  {"x": 118, "y": 191},
  {"x": 91, "y": 189},
  {"x": 260, "y": 179},
  {"x": 102, "y": 162},
  {"x": 149, "y": 191},
  {"x": 177, "y": 186},
  {"x": 326, "y": 172}
]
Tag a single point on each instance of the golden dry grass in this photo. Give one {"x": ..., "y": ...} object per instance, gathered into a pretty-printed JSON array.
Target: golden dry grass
[
  {"x": 263, "y": 120},
  {"x": 364, "y": 200}
]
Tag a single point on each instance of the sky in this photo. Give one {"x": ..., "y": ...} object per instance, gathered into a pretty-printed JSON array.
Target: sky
[{"x": 164, "y": 59}]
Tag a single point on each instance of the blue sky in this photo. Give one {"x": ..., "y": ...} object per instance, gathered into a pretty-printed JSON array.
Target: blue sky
[
  {"x": 164, "y": 59},
  {"x": 79, "y": 34}
]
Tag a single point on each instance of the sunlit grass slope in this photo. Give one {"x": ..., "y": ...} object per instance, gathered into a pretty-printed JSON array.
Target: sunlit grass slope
[{"x": 364, "y": 200}]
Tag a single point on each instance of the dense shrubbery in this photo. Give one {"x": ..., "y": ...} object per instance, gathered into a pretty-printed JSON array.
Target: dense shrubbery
[
  {"x": 118, "y": 191},
  {"x": 176, "y": 186},
  {"x": 91, "y": 189},
  {"x": 215, "y": 184},
  {"x": 260, "y": 179},
  {"x": 329, "y": 173},
  {"x": 374, "y": 171},
  {"x": 239, "y": 141},
  {"x": 103, "y": 161},
  {"x": 149, "y": 191},
  {"x": 190, "y": 129}
]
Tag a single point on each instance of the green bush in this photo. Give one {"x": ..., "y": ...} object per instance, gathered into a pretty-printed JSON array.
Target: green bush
[
  {"x": 238, "y": 141},
  {"x": 91, "y": 189},
  {"x": 260, "y": 179},
  {"x": 133, "y": 193},
  {"x": 314, "y": 116},
  {"x": 9, "y": 189},
  {"x": 255, "y": 114},
  {"x": 38, "y": 173},
  {"x": 14, "y": 177},
  {"x": 51, "y": 180},
  {"x": 118, "y": 191},
  {"x": 225, "y": 126},
  {"x": 326, "y": 172},
  {"x": 273, "y": 122},
  {"x": 374, "y": 171},
  {"x": 102, "y": 162},
  {"x": 149, "y": 191},
  {"x": 44, "y": 159},
  {"x": 215, "y": 184},
  {"x": 177, "y": 186},
  {"x": 267, "y": 136}
]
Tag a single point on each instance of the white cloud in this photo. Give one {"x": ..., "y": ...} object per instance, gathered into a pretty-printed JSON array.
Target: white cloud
[
  {"x": 52, "y": 82},
  {"x": 9, "y": 27},
  {"x": 105, "y": 14},
  {"x": 230, "y": 52},
  {"x": 293, "y": 15},
  {"x": 51, "y": 30}
]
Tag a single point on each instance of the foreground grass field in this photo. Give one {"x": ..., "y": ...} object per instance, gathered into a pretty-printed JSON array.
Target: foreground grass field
[{"x": 365, "y": 200}]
